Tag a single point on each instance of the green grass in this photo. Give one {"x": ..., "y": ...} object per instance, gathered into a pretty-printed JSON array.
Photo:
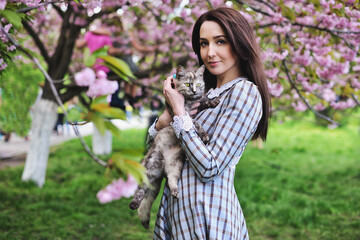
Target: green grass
[{"x": 304, "y": 184}]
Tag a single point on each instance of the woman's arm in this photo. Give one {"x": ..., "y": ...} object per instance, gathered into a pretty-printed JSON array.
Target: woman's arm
[{"x": 234, "y": 126}]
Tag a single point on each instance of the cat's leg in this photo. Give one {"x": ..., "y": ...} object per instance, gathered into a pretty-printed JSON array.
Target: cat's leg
[
  {"x": 153, "y": 171},
  {"x": 173, "y": 163},
  {"x": 206, "y": 103},
  {"x": 138, "y": 197},
  {"x": 145, "y": 205},
  {"x": 201, "y": 132},
  {"x": 214, "y": 102}
]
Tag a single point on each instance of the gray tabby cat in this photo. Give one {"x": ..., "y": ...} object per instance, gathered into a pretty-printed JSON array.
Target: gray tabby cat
[{"x": 165, "y": 155}]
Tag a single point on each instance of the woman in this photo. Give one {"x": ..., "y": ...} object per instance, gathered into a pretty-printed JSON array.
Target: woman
[{"x": 208, "y": 207}]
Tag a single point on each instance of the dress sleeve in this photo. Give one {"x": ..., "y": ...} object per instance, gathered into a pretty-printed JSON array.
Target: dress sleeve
[
  {"x": 240, "y": 113},
  {"x": 152, "y": 130}
]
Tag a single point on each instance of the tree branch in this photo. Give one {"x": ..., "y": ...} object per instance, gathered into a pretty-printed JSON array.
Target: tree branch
[
  {"x": 253, "y": 8},
  {"x": 328, "y": 31},
  {"x": 210, "y": 5},
  {"x": 28, "y": 9},
  {"x": 304, "y": 100},
  {"x": 57, "y": 97},
  {"x": 355, "y": 99},
  {"x": 58, "y": 9},
  {"x": 267, "y": 4},
  {"x": 37, "y": 41}
]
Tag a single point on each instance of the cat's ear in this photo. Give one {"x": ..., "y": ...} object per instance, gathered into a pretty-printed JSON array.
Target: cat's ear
[
  {"x": 200, "y": 71},
  {"x": 180, "y": 71}
]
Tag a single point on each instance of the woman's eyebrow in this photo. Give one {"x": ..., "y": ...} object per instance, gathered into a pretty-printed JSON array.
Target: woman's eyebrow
[{"x": 218, "y": 36}]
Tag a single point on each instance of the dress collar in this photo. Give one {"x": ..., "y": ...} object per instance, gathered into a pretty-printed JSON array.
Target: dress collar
[{"x": 213, "y": 93}]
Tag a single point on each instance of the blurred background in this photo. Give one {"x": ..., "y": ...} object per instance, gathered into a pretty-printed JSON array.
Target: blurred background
[{"x": 81, "y": 82}]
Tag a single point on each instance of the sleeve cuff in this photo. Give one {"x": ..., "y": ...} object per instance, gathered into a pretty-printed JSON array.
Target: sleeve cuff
[
  {"x": 152, "y": 130},
  {"x": 182, "y": 123}
]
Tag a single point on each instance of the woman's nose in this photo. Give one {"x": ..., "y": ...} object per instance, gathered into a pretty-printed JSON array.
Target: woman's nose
[{"x": 211, "y": 51}]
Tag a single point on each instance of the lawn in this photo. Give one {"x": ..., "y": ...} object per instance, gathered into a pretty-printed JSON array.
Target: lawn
[{"x": 304, "y": 184}]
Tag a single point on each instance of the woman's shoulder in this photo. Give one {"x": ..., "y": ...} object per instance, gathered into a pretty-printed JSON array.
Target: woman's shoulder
[{"x": 246, "y": 88}]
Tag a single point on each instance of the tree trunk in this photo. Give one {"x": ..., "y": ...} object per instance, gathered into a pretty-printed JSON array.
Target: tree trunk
[
  {"x": 44, "y": 118},
  {"x": 101, "y": 144}
]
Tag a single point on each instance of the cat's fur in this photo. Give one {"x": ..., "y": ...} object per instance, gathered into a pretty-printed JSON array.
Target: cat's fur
[{"x": 165, "y": 156}]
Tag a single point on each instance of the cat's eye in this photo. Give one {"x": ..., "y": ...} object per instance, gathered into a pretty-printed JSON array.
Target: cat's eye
[
  {"x": 198, "y": 85},
  {"x": 187, "y": 84}
]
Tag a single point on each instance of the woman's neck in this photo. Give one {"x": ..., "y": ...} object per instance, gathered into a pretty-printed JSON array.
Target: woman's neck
[{"x": 221, "y": 80}]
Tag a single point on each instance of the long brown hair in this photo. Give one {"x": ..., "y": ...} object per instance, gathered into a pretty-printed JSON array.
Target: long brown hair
[{"x": 243, "y": 43}]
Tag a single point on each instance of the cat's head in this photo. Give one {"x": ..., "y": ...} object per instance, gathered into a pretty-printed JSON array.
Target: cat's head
[{"x": 190, "y": 84}]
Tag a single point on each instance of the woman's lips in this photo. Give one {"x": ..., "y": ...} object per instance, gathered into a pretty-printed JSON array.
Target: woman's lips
[{"x": 213, "y": 64}]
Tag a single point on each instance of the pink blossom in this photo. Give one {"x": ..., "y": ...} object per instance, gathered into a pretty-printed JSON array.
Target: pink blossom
[
  {"x": 337, "y": 6},
  {"x": 273, "y": 56},
  {"x": 321, "y": 51},
  {"x": 325, "y": 73},
  {"x": 301, "y": 78},
  {"x": 281, "y": 29},
  {"x": 355, "y": 83},
  {"x": 11, "y": 48},
  {"x": 272, "y": 73},
  {"x": 310, "y": 87},
  {"x": 278, "y": 18},
  {"x": 2, "y": 4},
  {"x": 299, "y": 106},
  {"x": 85, "y": 78},
  {"x": 217, "y": 3},
  {"x": 306, "y": 20},
  {"x": 102, "y": 87},
  {"x": 275, "y": 89},
  {"x": 356, "y": 68},
  {"x": 101, "y": 74},
  {"x": 349, "y": 103},
  {"x": 3, "y": 64},
  {"x": 319, "y": 107},
  {"x": 303, "y": 59},
  {"x": 117, "y": 189},
  {"x": 328, "y": 95}
]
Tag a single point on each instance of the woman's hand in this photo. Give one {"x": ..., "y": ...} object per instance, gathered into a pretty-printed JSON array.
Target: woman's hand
[
  {"x": 194, "y": 109},
  {"x": 173, "y": 97},
  {"x": 164, "y": 120}
]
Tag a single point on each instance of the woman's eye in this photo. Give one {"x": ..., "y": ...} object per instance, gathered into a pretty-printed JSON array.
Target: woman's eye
[
  {"x": 221, "y": 42},
  {"x": 203, "y": 44}
]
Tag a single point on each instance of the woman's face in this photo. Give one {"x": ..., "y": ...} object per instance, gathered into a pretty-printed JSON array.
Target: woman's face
[{"x": 216, "y": 52}]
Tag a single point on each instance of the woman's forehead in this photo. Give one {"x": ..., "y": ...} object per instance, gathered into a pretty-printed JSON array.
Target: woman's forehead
[{"x": 211, "y": 29}]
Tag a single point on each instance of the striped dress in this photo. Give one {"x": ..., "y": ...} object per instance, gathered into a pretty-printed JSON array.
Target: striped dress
[{"x": 208, "y": 207}]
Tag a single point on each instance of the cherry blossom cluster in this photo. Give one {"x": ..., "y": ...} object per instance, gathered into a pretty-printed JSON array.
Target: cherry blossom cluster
[
  {"x": 98, "y": 83},
  {"x": 315, "y": 43},
  {"x": 318, "y": 45},
  {"x": 117, "y": 189}
]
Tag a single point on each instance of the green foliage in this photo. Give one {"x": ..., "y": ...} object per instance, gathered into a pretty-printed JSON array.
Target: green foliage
[
  {"x": 13, "y": 17},
  {"x": 20, "y": 87},
  {"x": 118, "y": 66},
  {"x": 99, "y": 113},
  {"x": 128, "y": 162}
]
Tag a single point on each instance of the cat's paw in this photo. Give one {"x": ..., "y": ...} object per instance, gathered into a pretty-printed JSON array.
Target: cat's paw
[
  {"x": 215, "y": 102},
  {"x": 175, "y": 193},
  {"x": 205, "y": 139},
  {"x": 145, "y": 224},
  {"x": 134, "y": 205}
]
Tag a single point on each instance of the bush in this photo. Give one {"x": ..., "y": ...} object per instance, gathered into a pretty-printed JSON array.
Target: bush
[{"x": 19, "y": 88}]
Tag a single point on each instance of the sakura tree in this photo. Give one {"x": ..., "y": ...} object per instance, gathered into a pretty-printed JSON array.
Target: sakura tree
[{"x": 310, "y": 48}]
